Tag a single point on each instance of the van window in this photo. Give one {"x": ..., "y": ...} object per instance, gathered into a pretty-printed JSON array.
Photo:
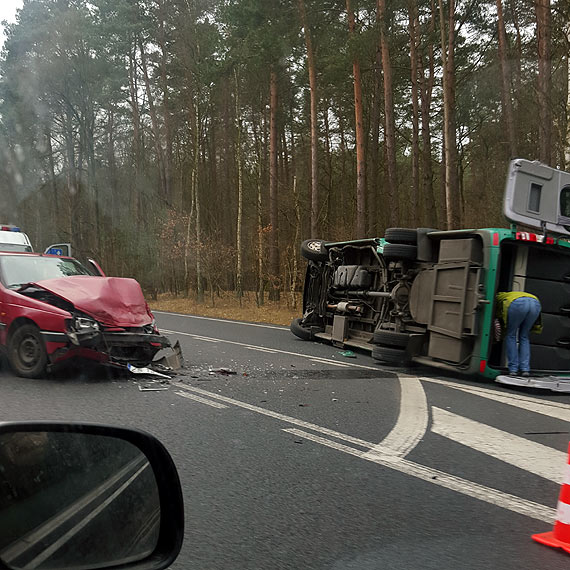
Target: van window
[
  {"x": 565, "y": 206},
  {"x": 534, "y": 198}
]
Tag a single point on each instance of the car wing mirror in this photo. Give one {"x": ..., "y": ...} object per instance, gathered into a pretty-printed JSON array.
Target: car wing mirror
[
  {"x": 87, "y": 496},
  {"x": 61, "y": 249}
]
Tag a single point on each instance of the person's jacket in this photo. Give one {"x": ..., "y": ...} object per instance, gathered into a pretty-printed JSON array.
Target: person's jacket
[{"x": 504, "y": 300}]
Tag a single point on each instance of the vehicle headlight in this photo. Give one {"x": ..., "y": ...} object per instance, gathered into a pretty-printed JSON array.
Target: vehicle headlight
[{"x": 81, "y": 324}]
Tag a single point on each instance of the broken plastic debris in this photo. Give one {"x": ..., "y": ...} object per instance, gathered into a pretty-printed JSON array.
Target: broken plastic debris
[
  {"x": 148, "y": 371},
  {"x": 222, "y": 371},
  {"x": 169, "y": 358},
  {"x": 347, "y": 354}
]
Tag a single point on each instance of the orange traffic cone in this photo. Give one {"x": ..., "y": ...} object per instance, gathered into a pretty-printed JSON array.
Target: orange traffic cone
[{"x": 559, "y": 537}]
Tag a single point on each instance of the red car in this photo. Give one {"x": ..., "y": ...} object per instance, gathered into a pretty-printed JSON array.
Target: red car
[{"x": 54, "y": 308}]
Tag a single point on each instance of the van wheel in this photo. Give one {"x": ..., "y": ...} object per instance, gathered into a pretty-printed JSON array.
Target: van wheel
[
  {"x": 27, "y": 352},
  {"x": 401, "y": 235},
  {"x": 300, "y": 331},
  {"x": 391, "y": 355},
  {"x": 400, "y": 252},
  {"x": 314, "y": 250},
  {"x": 391, "y": 338}
]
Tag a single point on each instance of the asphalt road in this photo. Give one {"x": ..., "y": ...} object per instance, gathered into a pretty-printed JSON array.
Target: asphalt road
[{"x": 307, "y": 459}]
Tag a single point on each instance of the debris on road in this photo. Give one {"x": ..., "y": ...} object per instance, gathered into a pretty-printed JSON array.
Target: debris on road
[
  {"x": 147, "y": 371},
  {"x": 553, "y": 383},
  {"x": 348, "y": 354},
  {"x": 222, "y": 371}
]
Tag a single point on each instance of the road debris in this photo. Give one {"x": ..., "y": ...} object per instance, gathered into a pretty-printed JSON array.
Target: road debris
[
  {"x": 222, "y": 371},
  {"x": 348, "y": 354},
  {"x": 152, "y": 388},
  {"x": 169, "y": 359},
  {"x": 147, "y": 371}
]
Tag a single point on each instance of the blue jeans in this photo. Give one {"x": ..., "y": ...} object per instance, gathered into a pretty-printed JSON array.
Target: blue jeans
[{"x": 521, "y": 316}]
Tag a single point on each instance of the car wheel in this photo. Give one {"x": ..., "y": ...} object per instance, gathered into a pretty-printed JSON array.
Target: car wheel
[
  {"x": 298, "y": 330},
  {"x": 400, "y": 252},
  {"x": 27, "y": 352},
  {"x": 391, "y": 355},
  {"x": 391, "y": 338},
  {"x": 314, "y": 249},
  {"x": 401, "y": 235}
]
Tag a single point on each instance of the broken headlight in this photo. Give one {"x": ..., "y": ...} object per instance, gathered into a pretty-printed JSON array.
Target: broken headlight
[{"x": 82, "y": 324}]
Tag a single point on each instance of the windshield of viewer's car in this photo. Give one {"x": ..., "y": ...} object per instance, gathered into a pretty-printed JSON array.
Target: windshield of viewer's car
[{"x": 18, "y": 270}]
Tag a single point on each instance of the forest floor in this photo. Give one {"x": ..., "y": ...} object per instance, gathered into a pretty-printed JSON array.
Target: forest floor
[{"x": 227, "y": 306}]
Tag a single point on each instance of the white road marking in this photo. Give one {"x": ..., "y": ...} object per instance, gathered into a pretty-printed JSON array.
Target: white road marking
[
  {"x": 276, "y": 327},
  {"x": 533, "y": 457},
  {"x": 277, "y": 351},
  {"x": 259, "y": 349},
  {"x": 204, "y": 338},
  {"x": 331, "y": 362},
  {"x": 201, "y": 400},
  {"x": 281, "y": 417},
  {"x": 412, "y": 420},
  {"x": 436, "y": 477},
  {"x": 552, "y": 409}
]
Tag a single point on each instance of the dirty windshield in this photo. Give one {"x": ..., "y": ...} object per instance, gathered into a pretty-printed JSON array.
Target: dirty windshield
[{"x": 19, "y": 270}]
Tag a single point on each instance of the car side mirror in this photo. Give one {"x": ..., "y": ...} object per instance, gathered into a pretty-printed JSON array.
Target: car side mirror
[
  {"x": 95, "y": 267},
  {"x": 87, "y": 496}
]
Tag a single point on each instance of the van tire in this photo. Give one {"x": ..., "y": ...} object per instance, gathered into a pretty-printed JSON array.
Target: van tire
[
  {"x": 314, "y": 250},
  {"x": 400, "y": 252},
  {"x": 391, "y": 338},
  {"x": 300, "y": 331},
  {"x": 401, "y": 235},
  {"x": 391, "y": 355}
]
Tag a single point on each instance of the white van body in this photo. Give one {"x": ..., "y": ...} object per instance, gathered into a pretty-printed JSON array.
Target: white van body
[{"x": 12, "y": 239}]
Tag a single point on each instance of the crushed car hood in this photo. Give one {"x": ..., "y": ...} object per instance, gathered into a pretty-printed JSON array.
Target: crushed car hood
[{"x": 113, "y": 301}]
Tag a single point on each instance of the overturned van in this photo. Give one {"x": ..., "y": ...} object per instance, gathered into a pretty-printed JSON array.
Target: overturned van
[{"x": 427, "y": 296}]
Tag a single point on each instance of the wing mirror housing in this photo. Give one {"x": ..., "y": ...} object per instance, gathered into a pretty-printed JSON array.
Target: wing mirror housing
[{"x": 87, "y": 496}]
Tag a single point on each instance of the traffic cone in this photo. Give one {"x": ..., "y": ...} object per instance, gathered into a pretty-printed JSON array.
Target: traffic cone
[{"x": 559, "y": 537}]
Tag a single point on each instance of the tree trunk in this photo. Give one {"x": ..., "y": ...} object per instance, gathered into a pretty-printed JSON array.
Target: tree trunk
[
  {"x": 314, "y": 123},
  {"x": 450, "y": 136},
  {"x": 239, "y": 255},
  {"x": 544, "y": 80},
  {"x": 390, "y": 132},
  {"x": 359, "y": 131},
  {"x": 567, "y": 141},
  {"x": 506, "y": 81},
  {"x": 274, "y": 292},
  {"x": 413, "y": 25}
]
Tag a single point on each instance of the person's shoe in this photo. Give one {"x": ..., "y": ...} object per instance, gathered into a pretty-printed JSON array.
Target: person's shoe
[
  {"x": 525, "y": 374},
  {"x": 513, "y": 374}
]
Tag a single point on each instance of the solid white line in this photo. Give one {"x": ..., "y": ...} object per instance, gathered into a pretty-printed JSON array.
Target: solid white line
[
  {"x": 552, "y": 409},
  {"x": 412, "y": 420},
  {"x": 281, "y": 417},
  {"x": 436, "y": 477},
  {"x": 276, "y": 327},
  {"x": 533, "y": 457},
  {"x": 277, "y": 351},
  {"x": 201, "y": 400},
  {"x": 204, "y": 338}
]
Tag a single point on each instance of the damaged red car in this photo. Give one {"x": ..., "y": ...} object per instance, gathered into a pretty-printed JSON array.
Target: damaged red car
[{"x": 54, "y": 308}]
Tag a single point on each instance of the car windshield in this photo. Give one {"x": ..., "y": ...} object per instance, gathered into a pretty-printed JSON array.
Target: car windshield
[
  {"x": 14, "y": 247},
  {"x": 17, "y": 270}
]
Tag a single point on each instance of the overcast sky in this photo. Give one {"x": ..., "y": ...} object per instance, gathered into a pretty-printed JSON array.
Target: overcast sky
[{"x": 8, "y": 12}]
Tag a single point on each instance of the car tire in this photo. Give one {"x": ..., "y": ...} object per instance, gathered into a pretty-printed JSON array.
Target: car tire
[
  {"x": 401, "y": 235},
  {"x": 314, "y": 250},
  {"x": 27, "y": 352},
  {"x": 400, "y": 252},
  {"x": 391, "y": 355},
  {"x": 391, "y": 338},
  {"x": 300, "y": 331}
]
